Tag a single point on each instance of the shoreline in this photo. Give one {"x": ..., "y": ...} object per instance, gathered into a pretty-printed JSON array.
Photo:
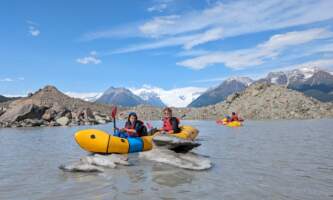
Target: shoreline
[{"x": 186, "y": 120}]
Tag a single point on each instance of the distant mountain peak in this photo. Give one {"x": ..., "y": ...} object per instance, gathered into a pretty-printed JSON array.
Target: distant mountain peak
[
  {"x": 245, "y": 80},
  {"x": 219, "y": 93},
  {"x": 120, "y": 96},
  {"x": 178, "y": 97}
]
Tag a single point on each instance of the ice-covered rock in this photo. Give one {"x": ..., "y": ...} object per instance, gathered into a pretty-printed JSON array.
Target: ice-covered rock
[{"x": 189, "y": 160}]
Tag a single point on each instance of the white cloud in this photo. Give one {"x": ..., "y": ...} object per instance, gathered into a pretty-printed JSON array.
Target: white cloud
[
  {"x": 243, "y": 16},
  {"x": 33, "y": 28},
  {"x": 157, "y": 7},
  {"x": 34, "y": 31},
  {"x": 320, "y": 63},
  {"x": 123, "y": 31},
  {"x": 11, "y": 79},
  {"x": 7, "y": 80},
  {"x": 218, "y": 21},
  {"x": 172, "y": 41},
  {"x": 187, "y": 41},
  {"x": 259, "y": 54},
  {"x": 91, "y": 59},
  {"x": 208, "y": 36},
  {"x": 150, "y": 28}
]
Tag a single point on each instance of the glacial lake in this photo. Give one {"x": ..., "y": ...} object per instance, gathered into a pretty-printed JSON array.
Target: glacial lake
[{"x": 287, "y": 159}]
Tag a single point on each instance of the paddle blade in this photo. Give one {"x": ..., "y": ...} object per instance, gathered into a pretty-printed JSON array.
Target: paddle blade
[
  {"x": 149, "y": 126},
  {"x": 114, "y": 112}
]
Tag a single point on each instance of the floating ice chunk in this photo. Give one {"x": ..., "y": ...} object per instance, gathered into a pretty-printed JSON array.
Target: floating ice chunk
[
  {"x": 186, "y": 161},
  {"x": 80, "y": 167},
  {"x": 102, "y": 161}
]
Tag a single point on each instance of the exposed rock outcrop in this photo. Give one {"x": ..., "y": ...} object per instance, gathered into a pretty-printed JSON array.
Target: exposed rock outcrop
[
  {"x": 50, "y": 107},
  {"x": 267, "y": 101}
]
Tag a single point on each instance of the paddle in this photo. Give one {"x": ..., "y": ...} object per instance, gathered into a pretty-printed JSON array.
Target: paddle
[
  {"x": 113, "y": 114},
  {"x": 149, "y": 126}
]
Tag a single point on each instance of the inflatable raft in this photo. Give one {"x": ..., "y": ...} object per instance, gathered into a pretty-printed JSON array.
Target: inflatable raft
[
  {"x": 98, "y": 141},
  {"x": 229, "y": 124}
]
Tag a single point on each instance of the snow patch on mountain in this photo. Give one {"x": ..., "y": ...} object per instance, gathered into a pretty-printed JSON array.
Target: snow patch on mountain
[
  {"x": 90, "y": 96},
  {"x": 245, "y": 80},
  {"x": 178, "y": 97}
]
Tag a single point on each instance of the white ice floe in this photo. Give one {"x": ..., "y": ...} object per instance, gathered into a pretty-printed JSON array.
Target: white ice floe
[
  {"x": 186, "y": 161},
  {"x": 164, "y": 152},
  {"x": 96, "y": 163},
  {"x": 80, "y": 167}
]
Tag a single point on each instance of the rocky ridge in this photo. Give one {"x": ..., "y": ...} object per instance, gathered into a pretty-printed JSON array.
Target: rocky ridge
[{"x": 50, "y": 107}]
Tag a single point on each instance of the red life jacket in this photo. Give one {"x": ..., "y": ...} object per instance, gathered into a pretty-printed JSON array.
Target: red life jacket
[
  {"x": 167, "y": 125},
  {"x": 234, "y": 118}
]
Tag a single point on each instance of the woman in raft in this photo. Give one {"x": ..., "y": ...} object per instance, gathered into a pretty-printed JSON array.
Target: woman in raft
[
  {"x": 170, "y": 123},
  {"x": 133, "y": 127}
]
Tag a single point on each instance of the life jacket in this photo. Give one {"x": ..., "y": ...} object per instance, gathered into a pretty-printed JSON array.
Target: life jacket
[
  {"x": 234, "y": 118},
  {"x": 167, "y": 124},
  {"x": 141, "y": 132}
]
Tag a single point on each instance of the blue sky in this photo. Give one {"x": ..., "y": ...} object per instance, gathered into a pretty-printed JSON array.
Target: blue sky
[{"x": 88, "y": 46}]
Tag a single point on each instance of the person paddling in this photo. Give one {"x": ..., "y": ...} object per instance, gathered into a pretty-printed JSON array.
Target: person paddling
[
  {"x": 234, "y": 117},
  {"x": 133, "y": 127},
  {"x": 170, "y": 123}
]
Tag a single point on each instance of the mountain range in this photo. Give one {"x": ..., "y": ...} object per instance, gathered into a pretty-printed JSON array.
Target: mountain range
[
  {"x": 312, "y": 81},
  {"x": 120, "y": 96},
  {"x": 218, "y": 94},
  {"x": 146, "y": 95},
  {"x": 4, "y": 99}
]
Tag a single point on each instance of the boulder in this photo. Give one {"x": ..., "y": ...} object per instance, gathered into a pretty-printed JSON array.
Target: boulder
[
  {"x": 21, "y": 112},
  {"x": 63, "y": 121},
  {"x": 49, "y": 115},
  {"x": 54, "y": 123},
  {"x": 100, "y": 119},
  {"x": 32, "y": 122},
  {"x": 60, "y": 110},
  {"x": 2, "y": 111},
  {"x": 88, "y": 114}
]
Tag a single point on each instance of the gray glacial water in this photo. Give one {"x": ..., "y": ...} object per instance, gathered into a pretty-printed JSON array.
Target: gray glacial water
[{"x": 262, "y": 160}]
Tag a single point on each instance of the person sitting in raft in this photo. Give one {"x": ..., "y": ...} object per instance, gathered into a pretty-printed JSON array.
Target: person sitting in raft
[
  {"x": 170, "y": 123},
  {"x": 227, "y": 118},
  {"x": 234, "y": 117},
  {"x": 133, "y": 127}
]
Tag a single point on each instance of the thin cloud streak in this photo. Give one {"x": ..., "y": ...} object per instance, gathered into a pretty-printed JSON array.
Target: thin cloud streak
[{"x": 258, "y": 55}]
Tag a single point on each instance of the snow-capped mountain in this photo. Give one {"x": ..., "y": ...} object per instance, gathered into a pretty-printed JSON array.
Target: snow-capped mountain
[
  {"x": 245, "y": 80},
  {"x": 120, "y": 96},
  {"x": 291, "y": 76},
  {"x": 150, "y": 97},
  {"x": 312, "y": 81},
  {"x": 179, "y": 97},
  {"x": 91, "y": 96},
  {"x": 218, "y": 94},
  {"x": 279, "y": 78}
]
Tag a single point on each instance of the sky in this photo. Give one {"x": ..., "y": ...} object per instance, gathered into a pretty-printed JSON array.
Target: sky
[{"x": 88, "y": 46}]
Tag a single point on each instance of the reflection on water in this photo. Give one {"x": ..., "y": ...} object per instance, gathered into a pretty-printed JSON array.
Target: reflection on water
[
  {"x": 171, "y": 178},
  {"x": 262, "y": 160}
]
